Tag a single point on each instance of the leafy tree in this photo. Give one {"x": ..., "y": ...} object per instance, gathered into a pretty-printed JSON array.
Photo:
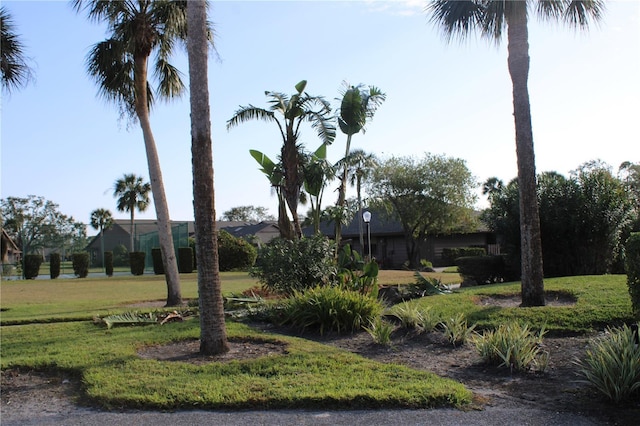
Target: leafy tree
[
  {"x": 359, "y": 104},
  {"x": 432, "y": 195},
  {"x": 289, "y": 112},
  {"x": 629, "y": 174},
  {"x": 132, "y": 194},
  {"x": 34, "y": 223},
  {"x": 583, "y": 219},
  {"x": 119, "y": 66},
  {"x": 101, "y": 219},
  {"x": 16, "y": 73},
  {"x": 492, "y": 18},
  {"x": 247, "y": 214},
  {"x": 213, "y": 333}
]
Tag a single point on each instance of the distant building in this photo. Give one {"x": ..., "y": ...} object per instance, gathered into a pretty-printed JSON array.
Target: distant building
[{"x": 10, "y": 254}]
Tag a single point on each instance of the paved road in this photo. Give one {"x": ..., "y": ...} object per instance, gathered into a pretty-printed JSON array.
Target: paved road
[{"x": 443, "y": 417}]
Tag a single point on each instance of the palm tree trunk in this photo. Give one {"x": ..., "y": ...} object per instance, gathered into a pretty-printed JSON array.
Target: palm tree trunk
[
  {"x": 532, "y": 286},
  {"x": 213, "y": 333},
  {"x": 292, "y": 184},
  {"x": 174, "y": 296},
  {"x": 360, "y": 227},
  {"x": 131, "y": 239},
  {"x": 343, "y": 191}
]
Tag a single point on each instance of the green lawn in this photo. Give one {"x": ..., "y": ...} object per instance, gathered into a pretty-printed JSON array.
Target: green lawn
[{"x": 308, "y": 375}]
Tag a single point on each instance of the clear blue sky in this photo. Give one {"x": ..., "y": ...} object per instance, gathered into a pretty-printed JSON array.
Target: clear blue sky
[{"x": 62, "y": 142}]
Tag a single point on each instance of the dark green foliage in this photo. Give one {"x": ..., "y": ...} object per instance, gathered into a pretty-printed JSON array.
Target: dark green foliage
[
  {"x": 32, "y": 264},
  {"x": 120, "y": 255},
  {"x": 185, "y": 260},
  {"x": 355, "y": 274},
  {"x": 192, "y": 245},
  {"x": 158, "y": 266},
  {"x": 234, "y": 253},
  {"x": 54, "y": 265},
  {"x": 80, "y": 264},
  {"x": 108, "y": 263},
  {"x": 136, "y": 260},
  {"x": 481, "y": 269},
  {"x": 449, "y": 255},
  {"x": 329, "y": 309},
  {"x": 632, "y": 252},
  {"x": 583, "y": 220},
  {"x": 284, "y": 266}
]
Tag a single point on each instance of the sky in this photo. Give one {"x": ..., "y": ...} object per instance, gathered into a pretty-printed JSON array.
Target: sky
[{"x": 61, "y": 141}]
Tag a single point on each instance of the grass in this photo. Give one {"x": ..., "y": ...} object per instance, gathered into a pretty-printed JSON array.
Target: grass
[{"x": 309, "y": 375}]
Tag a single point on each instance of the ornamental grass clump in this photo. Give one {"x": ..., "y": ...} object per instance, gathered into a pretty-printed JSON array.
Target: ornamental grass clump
[
  {"x": 513, "y": 345},
  {"x": 456, "y": 330},
  {"x": 330, "y": 309},
  {"x": 380, "y": 331},
  {"x": 612, "y": 365},
  {"x": 412, "y": 316}
]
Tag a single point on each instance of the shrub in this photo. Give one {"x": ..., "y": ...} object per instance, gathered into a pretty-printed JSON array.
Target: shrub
[
  {"x": 612, "y": 365},
  {"x": 156, "y": 256},
  {"x": 185, "y": 260},
  {"x": 108, "y": 263},
  {"x": 80, "y": 263},
  {"x": 449, "y": 255},
  {"x": 632, "y": 263},
  {"x": 481, "y": 269},
  {"x": 234, "y": 253},
  {"x": 32, "y": 264},
  {"x": 54, "y": 265},
  {"x": 286, "y": 266},
  {"x": 136, "y": 260},
  {"x": 413, "y": 316},
  {"x": 512, "y": 345},
  {"x": 120, "y": 255},
  {"x": 330, "y": 309},
  {"x": 355, "y": 274},
  {"x": 456, "y": 330}
]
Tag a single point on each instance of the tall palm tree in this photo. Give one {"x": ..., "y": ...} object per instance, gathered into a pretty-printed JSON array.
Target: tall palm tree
[
  {"x": 132, "y": 194},
  {"x": 491, "y": 18},
  {"x": 16, "y": 73},
  {"x": 289, "y": 112},
  {"x": 101, "y": 219},
  {"x": 119, "y": 66},
  {"x": 213, "y": 333},
  {"x": 359, "y": 104}
]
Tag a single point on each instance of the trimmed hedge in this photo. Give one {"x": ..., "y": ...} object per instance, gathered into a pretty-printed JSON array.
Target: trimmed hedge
[
  {"x": 481, "y": 269},
  {"x": 632, "y": 264},
  {"x": 185, "y": 260},
  {"x": 108, "y": 263},
  {"x": 449, "y": 255},
  {"x": 156, "y": 256},
  {"x": 32, "y": 264},
  {"x": 235, "y": 253},
  {"x": 80, "y": 262},
  {"x": 136, "y": 260},
  {"x": 54, "y": 265}
]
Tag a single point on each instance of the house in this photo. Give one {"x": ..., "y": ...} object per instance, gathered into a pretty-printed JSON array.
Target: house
[
  {"x": 146, "y": 235},
  {"x": 10, "y": 254},
  {"x": 388, "y": 243}
]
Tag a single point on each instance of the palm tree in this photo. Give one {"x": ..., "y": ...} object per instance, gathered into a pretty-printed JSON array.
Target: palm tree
[
  {"x": 491, "y": 18},
  {"x": 359, "y": 104},
  {"x": 359, "y": 165},
  {"x": 13, "y": 64},
  {"x": 294, "y": 110},
  {"x": 213, "y": 333},
  {"x": 317, "y": 171},
  {"x": 132, "y": 194},
  {"x": 119, "y": 67},
  {"x": 101, "y": 219}
]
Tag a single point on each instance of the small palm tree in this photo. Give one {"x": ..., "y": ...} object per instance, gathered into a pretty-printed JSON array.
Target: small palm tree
[
  {"x": 119, "y": 66},
  {"x": 289, "y": 112},
  {"x": 359, "y": 104},
  {"x": 492, "y": 18},
  {"x": 132, "y": 194},
  {"x": 359, "y": 165},
  {"x": 101, "y": 219},
  {"x": 16, "y": 73}
]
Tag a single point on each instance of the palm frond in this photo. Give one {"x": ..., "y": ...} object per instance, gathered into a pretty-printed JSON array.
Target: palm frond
[
  {"x": 130, "y": 318},
  {"x": 457, "y": 18},
  {"x": 249, "y": 113},
  {"x": 16, "y": 73},
  {"x": 170, "y": 83}
]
